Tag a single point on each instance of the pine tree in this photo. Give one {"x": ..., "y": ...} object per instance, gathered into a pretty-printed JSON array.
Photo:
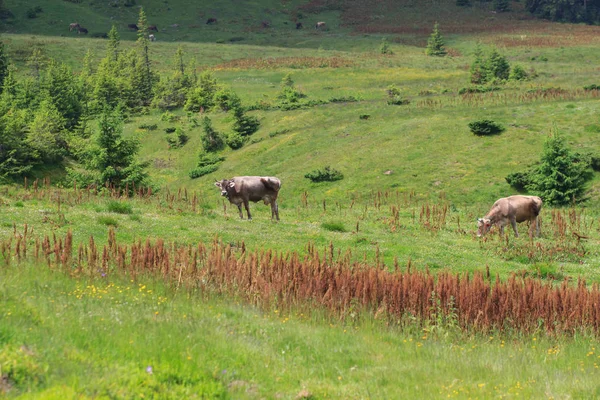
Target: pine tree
[
  {"x": 202, "y": 97},
  {"x": 435, "y": 43},
  {"x": 497, "y": 67},
  {"x": 478, "y": 71},
  {"x": 47, "y": 132},
  {"x": 112, "y": 47},
  {"x": 145, "y": 76},
  {"x": 211, "y": 139},
  {"x": 36, "y": 61},
  {"x": 3, "y": 65},
  {"x": 112, "y": 159},
  {"x": 562, "y": 174},
  {"x": 501, "y": 5},
  {"x": 63, "y": 90}
]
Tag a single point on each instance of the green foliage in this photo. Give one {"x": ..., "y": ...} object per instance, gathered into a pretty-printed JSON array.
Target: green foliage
[
  {"x": 235, "y": 140},
  {"x": 207, "y": 163},
  {"x": 384, "y": 47},
  {"x": 334, "y": 226},
  {"x": 435, "y": 43},
  {"x": 519, "y": 180},
  {"x": 561, "y": 176},
  {"x": 211, "y": 139},
  {"x": 493, "y": 68},
  {"x": 112, "y": 159},
  {"x": 202, "y": 97},
  {"x": 326, "y": 174},
  {"x": 565, "y": 11},
  {"x": 119, "y": 207},
  {"x": 501, "y": 5},
  {"x": 46, "y": 134},
  {"x": 518, "y": 73},
  {"x": 226, "y": 99},
  {"x": 463, "y": 3},
  {"x": 591, "y": 87},
  {"x": 289, "y": 96},
  {"x": 3, "y": 65},
  {"x": 177, "y": 140},
  {"x": 244, "y": 124},
  {"x": 478, "y": 89},
  {"x": 485, "y": 127},
  {"x": 106, "y": 220},
  {"x": 394, "y": 96},
  {"x": 20, "y": 368}
]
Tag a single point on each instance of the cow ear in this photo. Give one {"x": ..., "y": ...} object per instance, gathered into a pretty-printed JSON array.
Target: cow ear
[{"x": 218, "y": 184}]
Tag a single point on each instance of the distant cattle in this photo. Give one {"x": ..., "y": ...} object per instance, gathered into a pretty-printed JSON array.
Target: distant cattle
[
  {"x": 151, "y": 37},
  {"x": 133, "y": 27},
  {"x": 211, "y": 21},
  {"x": 81, "y": 30},
  {"x": 321, "y": 25},
  {"x": 243, "y": 189},
  {"x": 74, "y": 26},
  {"x": 299, "y": 25},
  {"x": 511, "y": 210},
  {"x": 265, "y": 24},
  {"x": 153, "y": 28}
]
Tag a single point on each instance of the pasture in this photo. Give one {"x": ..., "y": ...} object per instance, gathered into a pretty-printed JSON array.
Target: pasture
[{"x": 82, "y": 316}]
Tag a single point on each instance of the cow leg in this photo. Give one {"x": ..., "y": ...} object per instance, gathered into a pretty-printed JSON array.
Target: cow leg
[
  {"x": 247, "y": 206},
  {"x": 274, "y": 210},
  {"x": 239, "y": 206},
  {"x": 513, "y": 222}
]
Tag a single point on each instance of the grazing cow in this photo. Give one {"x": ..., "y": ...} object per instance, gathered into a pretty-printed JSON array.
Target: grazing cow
[
  {"x": 321, "y": 25},
  {"x": 299, "y": 25},
  {"x": 81, "y": 30},
  {"x": 265, "y": 24},
  {"x": 510, "y": 210},
  {"x": 133, "y": 27},
  {"x": 243, "y": 189},
  {"x": 153, "y": 28},
  {"x": 73, "y": 26},
  {"x": 151, "y": 37},
  {"x": 211, "y": 21}
]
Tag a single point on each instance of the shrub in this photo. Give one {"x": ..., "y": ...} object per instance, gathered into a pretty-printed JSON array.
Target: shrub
[
  {"x": 395, "y": 97},
  {"x": 170, "y": 129},
  {"x": 384, "y": 47},
  {"x": 484, "y": 127},
  {"x": 20, "y": 369},
  {"x": 109, "y": 221},
  {"x": 518, "y": 180},
  {"x": 235, "y": 140},
  {"x": 364, "y": 116},
  {"x": 343, "y": 99},
  {"x": 279, "y": 132},
  {"x": 168, "y": 117},
  {"x": 518, "y": 73},
  {"x": 30, "y": 13},
  {"x": 334, "y": 227},
  {"x": 148, "y": 127},
  {"x": 327, "y": 174},
  {"x": 178, "y": 140},
  {"x": 201, "y": 171},
  {"x": 119, "y": 207},
  {"x": 591, "y": 87},
  {"x": 478, "y": 89}
]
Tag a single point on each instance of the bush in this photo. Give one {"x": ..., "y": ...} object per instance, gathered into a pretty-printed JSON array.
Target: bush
[
  {"x": 201, "y": 171},
  {"x": 168, "y": 117},
  {"x": 478, "y": 89},
  {"x": 178, "y": 140},
  {"x": 334, "y": 227},
  {"x": 170, "y": 129},
  {"x": 211, "y": 139},
  {"x": 395, "y": 97},
  {"x": 108, "y": 221},
  {"x": 484, "y": 127},
  {"x": 384, "y": 47},
  {"x": 119, "y": 207},
  {"x": 518, "y": 73},
  {"x": 30, "y": 13},
  {"x": 519, "y": 180},
  {"x": 591, "y": 87},
  {"x": 244, "y": 124},
  {"x": 148, "y": 127},
  {"x": 327, "y": 174},
  {"x": 235, "y": 140}
]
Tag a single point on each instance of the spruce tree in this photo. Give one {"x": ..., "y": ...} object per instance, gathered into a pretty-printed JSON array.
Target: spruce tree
[
  {"x": 435, "y": 43},
  {"x": 112, "y": 47},
  {"x": 3, "y": 65},
  {"x": 211, "y": 139},
  {"x": 47, "y": 132},
  {"x": 63, "y": 90},
  {"x": 144, "y": 70},
  {"x": 561, "y": 176}
]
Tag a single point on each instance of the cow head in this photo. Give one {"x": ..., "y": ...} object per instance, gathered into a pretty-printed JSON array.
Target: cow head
[
  {"x": 483, "y": 226},
  {"x": 225, "y": 185}
]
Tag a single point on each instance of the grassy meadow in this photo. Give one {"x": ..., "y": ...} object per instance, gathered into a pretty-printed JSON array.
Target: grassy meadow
[{"x": 415, "y": 180}]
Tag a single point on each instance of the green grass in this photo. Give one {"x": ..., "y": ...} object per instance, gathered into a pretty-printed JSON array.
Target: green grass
[{"x": 79, "y": 338}]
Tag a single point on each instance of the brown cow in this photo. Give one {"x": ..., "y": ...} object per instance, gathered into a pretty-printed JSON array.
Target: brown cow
[
  {"x": 133, "y": 27},
  {"x": 73, "y": 26},
  {"x": 243, "y": 189},
  {"x": 321, "y": 25},
  {"x": 510, "y": 210},
  {"x": 81, "y": 30},
  {"x": 153, "y": 28},
  {"x": 299, "y": 25},
  {"x": 211, "y": 21}
]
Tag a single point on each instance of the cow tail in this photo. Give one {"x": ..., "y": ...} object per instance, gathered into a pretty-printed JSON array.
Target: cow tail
[
  {"x": 271, "y": 184},
  {"x": 535, "y": 208}
]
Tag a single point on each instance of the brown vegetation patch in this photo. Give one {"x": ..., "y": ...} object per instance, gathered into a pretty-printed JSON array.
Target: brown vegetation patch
[{"x": 286, "y": 62}]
